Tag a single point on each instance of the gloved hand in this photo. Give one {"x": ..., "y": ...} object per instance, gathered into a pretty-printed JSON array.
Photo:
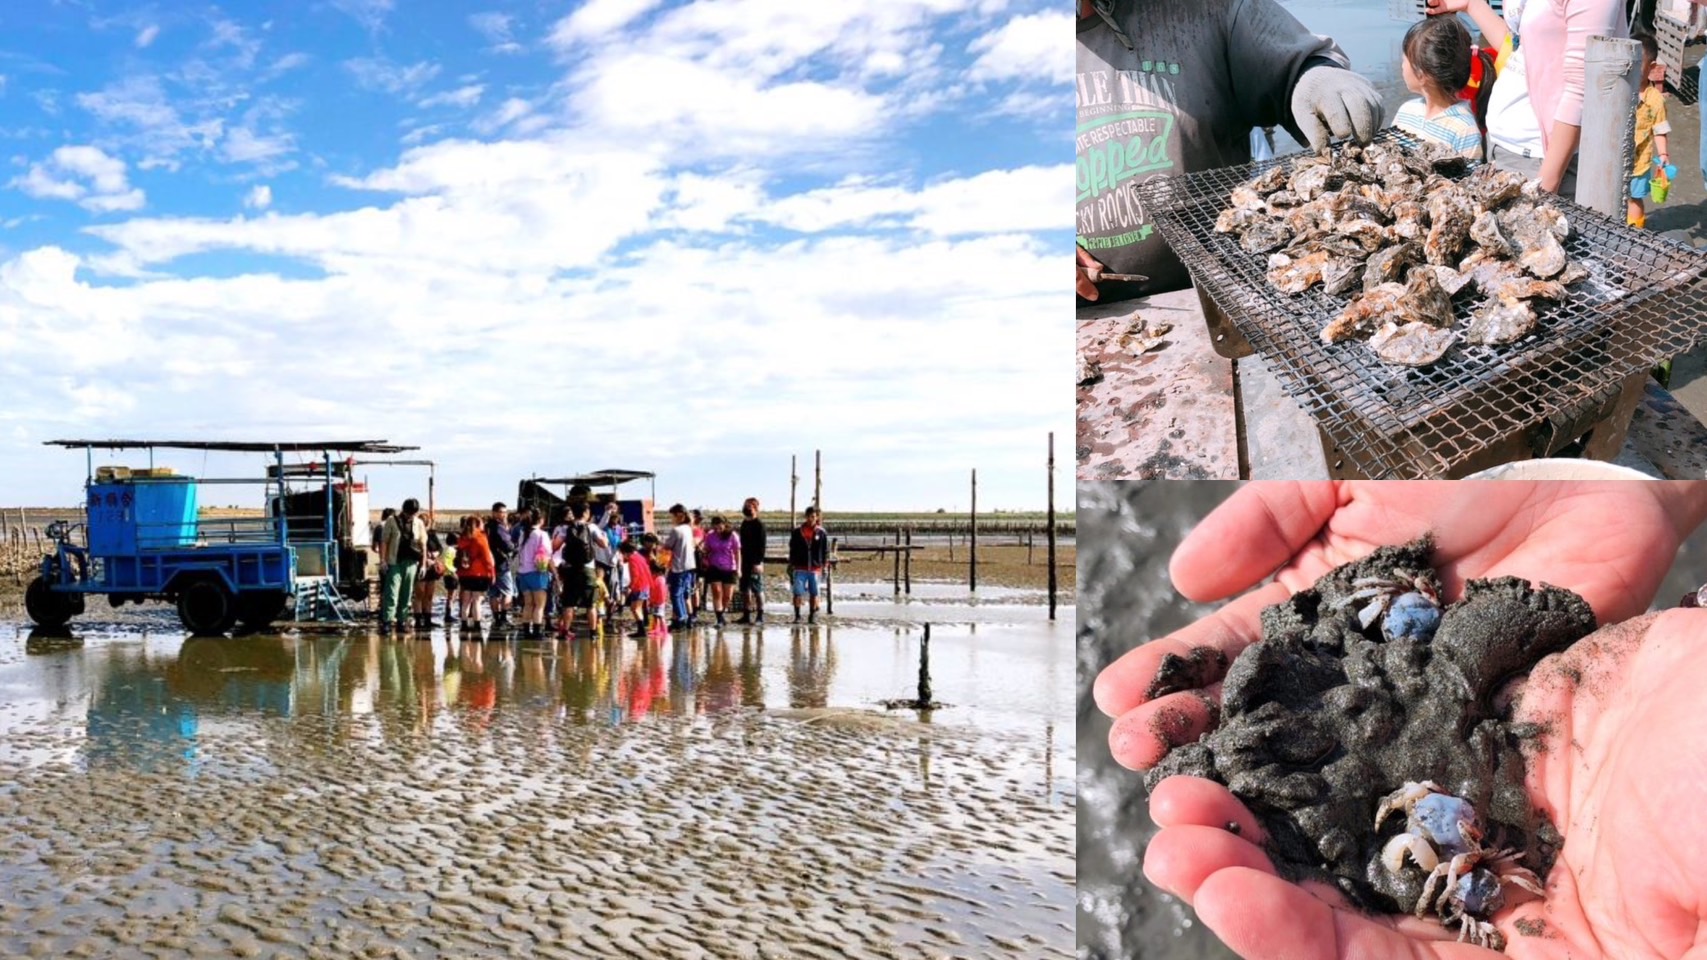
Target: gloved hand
[{"x": 1333, "y": 102}]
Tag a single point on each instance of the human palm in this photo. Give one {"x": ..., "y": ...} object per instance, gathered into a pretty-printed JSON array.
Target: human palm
[
  {"x": 1609, "y": 542},
  {"x": 1621, "y": 772}
]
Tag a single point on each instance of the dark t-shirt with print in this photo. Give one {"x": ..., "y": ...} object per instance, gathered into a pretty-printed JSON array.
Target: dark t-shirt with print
[{"x": 1200, "y": 75}]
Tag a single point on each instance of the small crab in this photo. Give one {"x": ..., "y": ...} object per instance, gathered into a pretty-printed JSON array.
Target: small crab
[
  {"x": 1443, "y": 835},
  {"x": 1407, "y": 601}
]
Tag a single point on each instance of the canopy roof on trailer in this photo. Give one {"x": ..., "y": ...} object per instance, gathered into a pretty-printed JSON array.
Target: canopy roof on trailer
[
  {"x": 600, "y": 477},
  {"x": 237, "y": 446}
]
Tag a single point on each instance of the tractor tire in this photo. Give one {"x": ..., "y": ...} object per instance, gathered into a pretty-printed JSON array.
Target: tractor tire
[
  {"x": 47, "y": 608},
  {"x": 257, "y": 610},
  {"x": 206, "y": 608}
]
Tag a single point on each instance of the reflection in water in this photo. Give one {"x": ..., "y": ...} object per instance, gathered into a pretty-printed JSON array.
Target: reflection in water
[{"x": 811, "y": 666}]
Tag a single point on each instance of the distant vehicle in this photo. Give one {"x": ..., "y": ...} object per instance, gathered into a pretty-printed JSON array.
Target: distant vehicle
[
  {"x": 143, "y": 538},
  {"x": 636, "y": 512}
]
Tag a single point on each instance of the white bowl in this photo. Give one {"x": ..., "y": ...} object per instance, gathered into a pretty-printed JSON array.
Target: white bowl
[{"x": 1559, "y": 469}]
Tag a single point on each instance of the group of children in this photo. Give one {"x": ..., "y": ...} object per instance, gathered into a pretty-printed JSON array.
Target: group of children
[{"x": 1454, "y": 79}]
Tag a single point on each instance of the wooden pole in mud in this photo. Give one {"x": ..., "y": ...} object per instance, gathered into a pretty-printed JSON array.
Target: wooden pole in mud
[
  {"x": 907, "y": 570},
  {"x": 1051, "y": 534},
  {"x": 818, "y": 482},
  {"x": 830, "y": 578},
  {"x": 925, "y": 669},
  {"x": 897, "y": 561},
  {"x": 972, "y": 540},
  {"x": 793, "y": 485}
]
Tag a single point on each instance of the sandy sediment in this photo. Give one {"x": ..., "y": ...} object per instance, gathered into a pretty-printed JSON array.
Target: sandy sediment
[{"x": 494, "y": 833}]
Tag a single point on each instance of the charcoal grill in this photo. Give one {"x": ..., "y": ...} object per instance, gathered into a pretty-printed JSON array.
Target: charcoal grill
[{"x": 1644, "y": 301}]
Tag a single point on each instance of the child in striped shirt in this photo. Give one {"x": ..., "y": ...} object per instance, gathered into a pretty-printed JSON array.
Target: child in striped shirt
[{"x": 1437, "y": 65}]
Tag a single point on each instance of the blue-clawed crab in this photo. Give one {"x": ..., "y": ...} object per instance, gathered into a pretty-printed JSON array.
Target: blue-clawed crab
[
  {"x": 1405, "y": 603},
  {"x": 1443, "y": 836}
]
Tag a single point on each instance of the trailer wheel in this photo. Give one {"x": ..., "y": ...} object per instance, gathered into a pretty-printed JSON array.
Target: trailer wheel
[
  {"x": 47, "y": 608},
  {"x": 257, "y": 610},
  {"x": 206, "y": 608}
]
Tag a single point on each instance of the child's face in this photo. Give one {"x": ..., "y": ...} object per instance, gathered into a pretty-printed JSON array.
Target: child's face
[{"x": 1655, "y": 71}]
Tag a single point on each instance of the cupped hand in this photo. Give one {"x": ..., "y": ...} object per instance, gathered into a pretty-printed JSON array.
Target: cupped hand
[
  {"x": 1089, "y": 270},
  {"x": 1621, "y": 771},
  {"x": 1609, "y": 542}
]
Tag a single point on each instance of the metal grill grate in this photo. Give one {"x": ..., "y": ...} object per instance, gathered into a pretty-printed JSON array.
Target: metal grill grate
[{"x": 1644, "y": 301}]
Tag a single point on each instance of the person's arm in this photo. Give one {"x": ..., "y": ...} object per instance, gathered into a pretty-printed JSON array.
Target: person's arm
[
  {"x": 1583, "y": 19},
  {"x": 1269, "y": 55},
  {"x": 1491, "y": 25}
]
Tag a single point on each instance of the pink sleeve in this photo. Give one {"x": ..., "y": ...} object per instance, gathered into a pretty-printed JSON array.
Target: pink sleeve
[{"x": 1583, "y": 19}]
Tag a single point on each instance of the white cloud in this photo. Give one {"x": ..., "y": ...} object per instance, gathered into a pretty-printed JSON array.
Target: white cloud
[
  {"x": 996, "y": 201},
  {"x": 498, "y": 29},
  {"x": 464, "y": 96},
  {"x": 259, "y": 197},
  {"x": 597, "y": 18},
  {"x": 369, "y": 13},
  {"x": 146, "y": 35},
  {"x": 287, "y": 63},
  {"x": 138, "y": 104},
  {"x": 381, "y": 74},
  {"x": 507, "y": 113},
  {"x": 243, "y": 145},
  {"x": 84, "y": 174},
  {"x": 1026, "y": 47}
]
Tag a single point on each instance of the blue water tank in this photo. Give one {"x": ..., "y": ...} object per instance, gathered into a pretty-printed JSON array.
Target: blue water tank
[{"x": 129, "y": 516}]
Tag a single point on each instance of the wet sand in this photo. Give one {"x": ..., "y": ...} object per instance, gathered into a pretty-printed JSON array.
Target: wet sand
[{"x": 706, "y": 795}]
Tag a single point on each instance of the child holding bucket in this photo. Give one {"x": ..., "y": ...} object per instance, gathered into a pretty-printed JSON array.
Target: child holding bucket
[{"x": 1652, "y": 171}]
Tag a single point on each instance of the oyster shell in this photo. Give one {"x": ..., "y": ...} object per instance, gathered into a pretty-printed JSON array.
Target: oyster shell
[
  {"x": 1364, "y": 314},
  {"x": 1424, "y": 300},
  {"x": 1450, "y": 214},
  {"x": 1493, "y": 187},
  {"x": 1411, "y": 344},
  {"x": 1501, "y": 321},
  {"x": 1389, "y": 265},
  {"x": 1263, "y": 236}
]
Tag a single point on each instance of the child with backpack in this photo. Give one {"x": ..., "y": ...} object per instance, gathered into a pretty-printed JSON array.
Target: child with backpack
[{"x": 1437, "y": 64}]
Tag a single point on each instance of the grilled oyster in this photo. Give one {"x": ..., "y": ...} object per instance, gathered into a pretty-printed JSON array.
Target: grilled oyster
[
  {"x": 1270, "y": 180},
  {"x": 1450, "y": 214},
  {"x": 1281, "y": 201},
  {"x": 1411, "y": 344},
  {"x": 1501, "y": 321},
  {"x": 1297, "y": 274},
  {"x": 1236, "y": 219},
  {"x": 1494, "y": 187},
  {"x": 1572, "y": 273},
  {"x": 1441, "y": 158},
  {"x": 1487, "y": 234},
  {"x": 1315, "y": 179},
  {"x": 1526, "y": 288},
  {"x": 1545, "y": 258},
  {"x": 1263, "y": 236},
  {"x": 1367, "y": 234},
  {"x": 1363, "y": 314},
  {"x": 1244, "y": 196},
  {"x": 1389, "y": 265},
  {"x": 1341, "y": 276},
  {"x": 1424, "y": 300},
  {"x": 1452, "y": 281}
]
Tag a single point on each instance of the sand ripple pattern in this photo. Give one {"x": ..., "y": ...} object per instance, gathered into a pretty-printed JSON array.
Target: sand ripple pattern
[{"x": 787, "y": 834}]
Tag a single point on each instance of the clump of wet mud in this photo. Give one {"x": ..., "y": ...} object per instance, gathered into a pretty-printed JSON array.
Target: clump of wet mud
[{"x": 1325, "y": 717}]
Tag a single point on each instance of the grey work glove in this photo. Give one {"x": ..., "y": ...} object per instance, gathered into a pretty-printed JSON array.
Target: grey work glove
[{"x": 1332, "y": 102}]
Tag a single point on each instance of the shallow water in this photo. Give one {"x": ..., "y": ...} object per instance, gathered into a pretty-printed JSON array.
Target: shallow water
[
  {"x": 1128, "y": 532},
  {"x": 732, "y": 793}
]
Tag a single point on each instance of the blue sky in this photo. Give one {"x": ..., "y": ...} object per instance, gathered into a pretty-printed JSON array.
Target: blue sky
[{"x": 539, "y": 238}]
